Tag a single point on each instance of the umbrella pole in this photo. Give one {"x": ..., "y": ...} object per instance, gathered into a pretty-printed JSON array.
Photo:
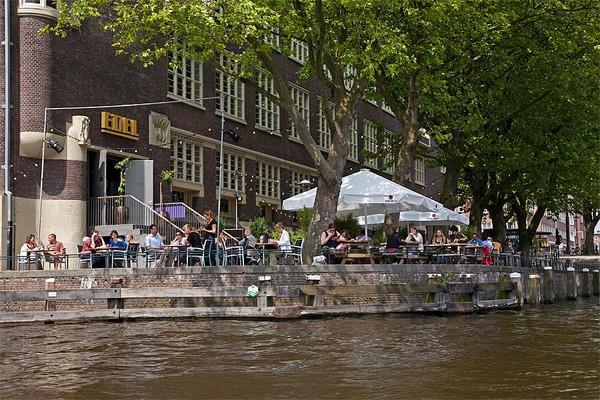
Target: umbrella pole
[{"x": 366, "y": 223}]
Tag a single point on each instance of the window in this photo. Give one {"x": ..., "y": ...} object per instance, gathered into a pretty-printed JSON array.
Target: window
[
  {"x": 233, "y": 171},
  {"x": 43, "y": 8},
  {"x": 353, "y": 151},
  {"x": 267, "y": 112},
  {"x": 389, "y": 156},
  {"x": 370, "y": 138},
  {"x": 425, "y": 139},
  {"x": 42, "y": 3},
  {"x": 299, "y": 51},
  {"x": 301, "y": 100},
  {"x": 324, "y": 139},
  {"x": 419, "y": 171},
  {"x": 185, "y": 79},
  {"x": 298, "y": 177},
  {"x": 186, "y": 159},
  {"x": 231, "y": 88},
  {"x": 268, "y": 179}
]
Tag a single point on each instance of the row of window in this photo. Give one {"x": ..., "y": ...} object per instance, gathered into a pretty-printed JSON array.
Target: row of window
[{"x": 186, "y": 161}]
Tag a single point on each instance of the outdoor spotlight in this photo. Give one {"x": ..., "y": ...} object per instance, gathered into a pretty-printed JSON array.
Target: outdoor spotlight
[
  {"x": 54, "y": 145},
  {"x": 233, "y": 135}
]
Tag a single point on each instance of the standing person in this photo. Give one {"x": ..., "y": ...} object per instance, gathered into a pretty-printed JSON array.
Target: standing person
[
  {"x": 153, "y": 243},
  {"x": 210, "y": 234},
  {"x": 414, "y": 237},
  {"x": 28, "y": 255},
  {"x": 439, "y": 237},
  {"x": 55, "y": 249}
]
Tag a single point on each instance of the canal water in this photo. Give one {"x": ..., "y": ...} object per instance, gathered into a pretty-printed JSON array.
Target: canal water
[{"x": 550, "y": 351}]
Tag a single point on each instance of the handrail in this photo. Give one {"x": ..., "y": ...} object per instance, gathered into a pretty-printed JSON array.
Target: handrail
[
  {"x": 189, "y": 212},
  {"x": 127, "y": 209}
]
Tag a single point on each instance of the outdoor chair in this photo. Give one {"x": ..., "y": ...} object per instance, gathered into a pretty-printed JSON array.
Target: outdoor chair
[
  {"x": 84, "y": 259},
  {"x": 131, "y": 255},
  {"x": 235, "y": 254},
  {"x": 60, "y": 260},
  {"x": 195, "y": 253}
]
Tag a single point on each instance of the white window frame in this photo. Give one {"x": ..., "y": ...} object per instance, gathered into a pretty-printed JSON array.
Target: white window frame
[
  {"x": 231, "y": 162},
  {"x": 370, "y": 142},
  {"x": 194, "y": 164},
  {"x": 296, "y": 178},
  {"x": 267, "y": 111},
  {"x": 323, "y": 127},
  {"x": 299, "y": 51},
  {"x": 38, "y": 8},
  {"x": 301, "y": 98},
  {"x": 233, "y": 91},
  {"x": 419, "y": 171},
  {"x": 268, "y": 180},
  {"x": 389, "y": 156},
  {"x": 353, "y": 145},
  {"x": 189, "y": 75}
]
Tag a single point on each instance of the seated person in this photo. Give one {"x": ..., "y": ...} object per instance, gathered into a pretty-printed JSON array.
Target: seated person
[
  {"x": 28, "y": 256},
  {"x": 248, "y": 242},
  {"x": 475, "y": 240},
  {"x": 392, "y": 241},
  {"x": 329, "y": 237},
  {"x": 54, "y": 250},
  {"x": 153, "y": 243},
  {"x": 90, "y": 245},
  {"x": 193, "y": 238},
  {"x": 284, "y": 242},
  {"x": 414, "y": 237},
  {"x": 439, "y": 238},
  {"x": 169, "y": 256},
  {"x": 455, "y": 236},
  {"x": 344, "y": 237},
  {"x": 116, "y": 242}
]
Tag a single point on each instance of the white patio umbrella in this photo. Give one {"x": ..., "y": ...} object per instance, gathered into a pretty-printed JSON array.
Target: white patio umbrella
[
  {"x": 370, "y": 193},
  {"x": 443, "y": 217}
]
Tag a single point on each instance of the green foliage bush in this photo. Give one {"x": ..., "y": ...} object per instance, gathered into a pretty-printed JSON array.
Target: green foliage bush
[
  {"x": 348, "y": 223},
  {"x": 259, "y": 226}
]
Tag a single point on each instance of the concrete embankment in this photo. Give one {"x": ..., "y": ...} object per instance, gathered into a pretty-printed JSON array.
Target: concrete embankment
[{"x": 281, "y": 291}]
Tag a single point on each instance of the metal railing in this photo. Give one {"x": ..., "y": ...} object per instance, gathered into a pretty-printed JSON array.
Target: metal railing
[
  {"x": 128, "y": 210},
  {"x": 181, "y": 214}
]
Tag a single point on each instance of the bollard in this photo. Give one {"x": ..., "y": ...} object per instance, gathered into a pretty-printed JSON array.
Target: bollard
[
  {"x": 596, "y": 283},
  {"x": 515, "y": 278},
  {"x": 571, "y": 284},
  {"x": 534, "y": 295},
  {"x": 548, "y": 288},
  {"x": 585, "y": 282},
  {"x": 50, "y": 286}
]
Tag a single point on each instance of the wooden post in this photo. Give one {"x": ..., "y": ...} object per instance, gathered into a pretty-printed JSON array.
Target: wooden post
[
  {"x": 596, "y": 283},
  {"x": 548, "y": 288},
  {"x": 571, "y": 284},
  {"x": 534, "y": 295},
  {"x": 50, "y": 286},
  {"x": 585, "y": 282},
  {"x": 515, "y": 278}
]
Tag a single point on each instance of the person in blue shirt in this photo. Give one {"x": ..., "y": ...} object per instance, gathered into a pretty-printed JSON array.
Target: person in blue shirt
[
  {"x": 153, "y": 243},
  {"x": 116, "y": 242}
]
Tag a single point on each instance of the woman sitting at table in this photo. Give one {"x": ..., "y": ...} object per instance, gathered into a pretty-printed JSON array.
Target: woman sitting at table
[
  {"x": 29, "y": 257},
  {"x": 169, "y": 255},
  {"x": 329, "y": 239},
  {"x": 439, "y": 238},
  {"x": 415, "y": 238}
]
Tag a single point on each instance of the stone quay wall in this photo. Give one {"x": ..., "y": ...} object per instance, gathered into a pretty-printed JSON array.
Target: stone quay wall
[{"x": 282, "y": 291}]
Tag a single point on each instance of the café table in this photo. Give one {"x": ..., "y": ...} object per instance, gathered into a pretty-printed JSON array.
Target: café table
[{"x": 263, "y": 246}]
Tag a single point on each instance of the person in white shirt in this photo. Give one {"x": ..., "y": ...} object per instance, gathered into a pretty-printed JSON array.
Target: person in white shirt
[
  {"x": 414, "y": 237},
  {"x": 284, "y": 242}
]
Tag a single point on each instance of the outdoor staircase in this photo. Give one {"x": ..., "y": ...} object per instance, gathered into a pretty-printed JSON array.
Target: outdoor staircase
[{"x": 127, "y": 214}]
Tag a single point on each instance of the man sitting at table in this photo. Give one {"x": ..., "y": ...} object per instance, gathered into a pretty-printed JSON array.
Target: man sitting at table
[
  {"x": 455, "y": 236},
  {"x": 91, "y": 245},
  {"x": 414, "y": 237},
  {"x": 55, "y": 250},
  {"x": 153, "y": 244}
]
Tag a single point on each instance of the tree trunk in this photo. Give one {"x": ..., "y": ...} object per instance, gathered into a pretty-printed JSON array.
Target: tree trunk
[
  {"x": 324, "y": 211},
  {"x": 448, "y": 197},
  {"x": 590, "y": 220},
  {"x": 411, "y": 135},
  {"x": 497, "y": 214}
]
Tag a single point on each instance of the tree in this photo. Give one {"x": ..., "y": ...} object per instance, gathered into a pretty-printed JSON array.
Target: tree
[{"x": 343, "y": 40}]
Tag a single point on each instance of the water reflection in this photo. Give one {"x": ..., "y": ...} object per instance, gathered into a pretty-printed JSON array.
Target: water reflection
[{"x": 546, "y": 352}]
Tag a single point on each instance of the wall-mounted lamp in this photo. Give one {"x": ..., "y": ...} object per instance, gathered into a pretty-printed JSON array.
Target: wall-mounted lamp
[{"x": 54, "y": 145}]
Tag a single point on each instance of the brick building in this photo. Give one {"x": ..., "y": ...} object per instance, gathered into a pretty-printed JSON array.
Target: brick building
[{"x": 264, "y": 167}]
